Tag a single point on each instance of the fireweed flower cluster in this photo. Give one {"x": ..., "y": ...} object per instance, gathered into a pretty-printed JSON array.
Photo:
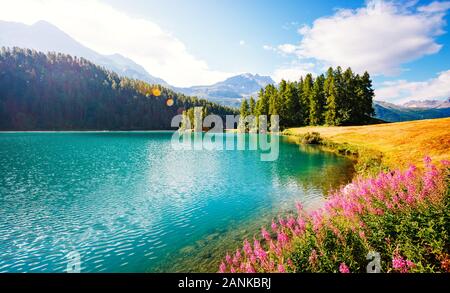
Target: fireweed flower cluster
[
  {"x": 399, "y": 264},
  {"x": 383, "y": 214}
]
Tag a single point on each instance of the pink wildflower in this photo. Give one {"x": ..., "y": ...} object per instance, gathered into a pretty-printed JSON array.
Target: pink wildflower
[
  {"x": 291, "y": 222},
  {"x": 272, "y": 245},
  {"x": 237, "y": 255},
  {"x": 410, "y": 264},
  {"x": 281, "y": 269},
  {"x": 250, "y": 269},
  {"x": 228, "y": 258},
  {"x": 282, "y": 239},
  {"x": 301, "y": 223},
  {"x": 242, "y": 267},
  {"x": 297, "y": 231},
  {"x": 398, "y": 263},
  {"x": 247, "y": 247},
  {"x": 261, "y": 254},
  {"x": 265, "y": 234},
  {"x": 282, "y": 222},
  {"x": 222, "y": 267},
  {"x": 274, "y": 226},
  {"x": 313, "y": 257},
  {"x": 362, "y": 234},
  {"x": 252, "y": 258},
  {"x": 343, "y": 268},
  {"x": 317, "y": 219}
]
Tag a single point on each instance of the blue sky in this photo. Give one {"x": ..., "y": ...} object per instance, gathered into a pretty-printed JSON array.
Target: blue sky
[
  {"x": 403, "y": 44},
  {"x": 213, "y": 29}
]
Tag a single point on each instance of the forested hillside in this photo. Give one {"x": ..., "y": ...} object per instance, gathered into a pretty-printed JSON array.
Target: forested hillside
[
  {"x": 55, "y": 91},
  {"x": 336, "y": 98}
]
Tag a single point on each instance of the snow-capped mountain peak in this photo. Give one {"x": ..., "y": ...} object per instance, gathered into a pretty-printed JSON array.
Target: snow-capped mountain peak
[{"x": 428, "y": 104}]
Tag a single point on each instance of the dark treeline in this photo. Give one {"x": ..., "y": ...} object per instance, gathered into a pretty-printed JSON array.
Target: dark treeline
[
  {"x": 59, "y": 92},
  {"x": 336, "y": 98}
]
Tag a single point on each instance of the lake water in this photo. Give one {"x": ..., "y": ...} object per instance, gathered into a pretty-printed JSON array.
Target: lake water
[{"x": 127, "y": 202}]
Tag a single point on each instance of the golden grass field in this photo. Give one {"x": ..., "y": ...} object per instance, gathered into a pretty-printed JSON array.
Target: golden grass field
[{"x": 401, "y": 143}]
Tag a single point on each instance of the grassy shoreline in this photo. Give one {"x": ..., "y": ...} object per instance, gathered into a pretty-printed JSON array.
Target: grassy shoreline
[{"x": 381, "y": 147}]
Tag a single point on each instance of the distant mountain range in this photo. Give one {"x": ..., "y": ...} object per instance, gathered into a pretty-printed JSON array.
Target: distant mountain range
[
  {"x": 231, "y": 91},
  {"x": 428, "y": 104},
  {"x": 396, "y": 113},
  {"x": 43, "y": 36}
]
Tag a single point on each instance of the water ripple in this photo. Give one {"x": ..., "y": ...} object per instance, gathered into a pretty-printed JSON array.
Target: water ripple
[{"x": 126, "y": 202}]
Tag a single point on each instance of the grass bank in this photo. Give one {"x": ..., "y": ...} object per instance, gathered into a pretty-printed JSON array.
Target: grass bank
[{"x": 382, "y": 146}]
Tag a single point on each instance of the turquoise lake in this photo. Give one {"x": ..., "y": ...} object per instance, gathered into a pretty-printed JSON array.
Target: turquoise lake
[{"x": 128, "y": 202}]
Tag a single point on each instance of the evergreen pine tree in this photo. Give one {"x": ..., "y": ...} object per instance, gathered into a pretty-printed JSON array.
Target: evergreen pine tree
[
  {"x": 330, "y": 93},
  {"x": 252, "y": 106},
  {"x": 338, "y": 93},
  {"x": 368, "y": 95},
  {"x": 317, "y": 102},
  {"x": 292, "y": 105},
  {"x": 244, "y": 112},
  {"x": 305, "y": 97},
  {"x": 271, "y": 94},
  {"x": 349, "y": 111}
]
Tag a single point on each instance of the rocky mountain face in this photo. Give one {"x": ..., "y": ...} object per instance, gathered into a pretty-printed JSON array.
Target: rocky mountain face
[{"x": 231, "y": 91}]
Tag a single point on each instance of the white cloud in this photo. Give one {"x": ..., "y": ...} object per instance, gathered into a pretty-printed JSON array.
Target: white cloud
[
  {"x": 379, "y": 37},
  {"x": 436, "y": 7},
  {"x": 107, "y": 30},
  {"x": 293, "y": 72},
  {"x": 401, "y": 91},
  {"x": 242, "y": 43},
  {"x": 268, "y": 48},
  {"x": 303, "y": 30},
  {"x": 288, "y": 49}
]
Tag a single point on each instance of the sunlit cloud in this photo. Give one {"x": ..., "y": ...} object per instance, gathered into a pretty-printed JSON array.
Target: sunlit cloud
[
  {"x": 380, "y": 37},
  {"x": 293, "y": 71},
  {"x": 401, "y": 91}
]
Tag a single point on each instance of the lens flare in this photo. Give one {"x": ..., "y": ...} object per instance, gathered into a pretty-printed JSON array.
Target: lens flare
[
  {"x": 170, "y": 102},
  {"x": 156, "y": 92}
]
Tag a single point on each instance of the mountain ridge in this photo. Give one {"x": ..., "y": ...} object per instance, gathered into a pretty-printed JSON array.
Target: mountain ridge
[
  {"x": 428, "y": 104},
  {"x": 45, "y": 37},
  {"x": 397, "y": 113},
  {"x": 230, "y": 91}
]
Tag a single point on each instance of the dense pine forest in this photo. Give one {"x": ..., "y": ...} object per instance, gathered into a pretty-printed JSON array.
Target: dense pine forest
[
  {"x": 55, "y": 91},
  {"x": 337, "y": 98}
]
